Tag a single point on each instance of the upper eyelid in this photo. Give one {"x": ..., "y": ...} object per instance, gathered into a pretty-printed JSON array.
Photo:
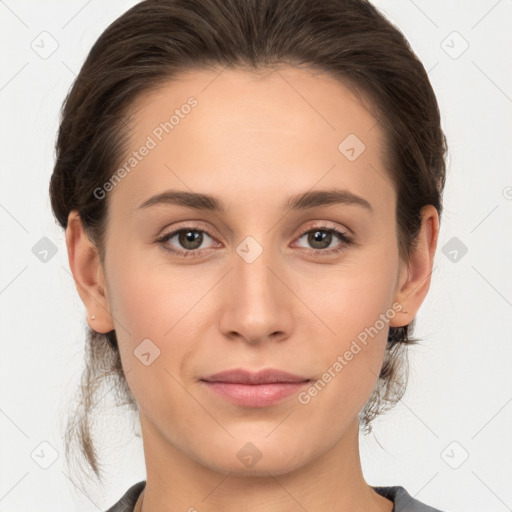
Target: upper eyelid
[{"x": 198, "y": 226}]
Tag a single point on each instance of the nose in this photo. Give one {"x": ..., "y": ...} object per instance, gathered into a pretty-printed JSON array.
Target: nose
[{"x": 257, "y": 305}]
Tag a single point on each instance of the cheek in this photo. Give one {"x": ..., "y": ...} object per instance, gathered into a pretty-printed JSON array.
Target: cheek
[
  {"x": 353, "y": 299},
  {"x": 156, "y": 308},
  {"x": 150, "y": 314},
  {"x": 149, "y": 298},
  {"x": 357, "y": 310}
]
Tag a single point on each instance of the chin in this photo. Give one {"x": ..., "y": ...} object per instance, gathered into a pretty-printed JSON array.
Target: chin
[
  {"x": 260, "y": 469},
  {"x": 257, "y": 458}
]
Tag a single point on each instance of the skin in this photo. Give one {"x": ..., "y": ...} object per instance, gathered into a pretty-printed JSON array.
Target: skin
[{"x": 252, "y": 141}]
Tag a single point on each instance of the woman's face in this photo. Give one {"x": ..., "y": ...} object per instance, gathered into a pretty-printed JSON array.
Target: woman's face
[{"x": 270, "y": 284}]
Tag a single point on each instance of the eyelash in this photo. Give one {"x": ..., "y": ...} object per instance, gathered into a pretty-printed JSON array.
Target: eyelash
[{"x": 346, "y": 239}]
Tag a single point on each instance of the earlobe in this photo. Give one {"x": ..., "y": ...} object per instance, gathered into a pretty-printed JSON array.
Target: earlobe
[
  {"x": 87, "y": 271},
  {"x": 415, "y": 278}
]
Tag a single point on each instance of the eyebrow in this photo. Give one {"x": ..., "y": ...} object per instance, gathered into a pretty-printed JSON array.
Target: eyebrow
[{"x": 303, "y": 201}]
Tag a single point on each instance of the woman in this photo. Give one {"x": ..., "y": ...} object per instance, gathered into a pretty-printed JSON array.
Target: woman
[{"x": 251, "y": 193}]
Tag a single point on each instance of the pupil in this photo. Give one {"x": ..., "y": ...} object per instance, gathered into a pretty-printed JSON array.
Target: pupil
[
  {"x": 190, "y": 237},
  {"x": 321, "y": 236}
]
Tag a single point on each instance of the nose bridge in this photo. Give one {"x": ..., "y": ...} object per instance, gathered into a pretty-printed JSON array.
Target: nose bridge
[
  {"x": 255, "y": 301},
  {"x": 253, "y": 279}
]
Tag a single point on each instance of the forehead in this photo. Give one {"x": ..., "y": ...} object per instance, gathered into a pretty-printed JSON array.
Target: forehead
[{"x": 242, "y": 135}]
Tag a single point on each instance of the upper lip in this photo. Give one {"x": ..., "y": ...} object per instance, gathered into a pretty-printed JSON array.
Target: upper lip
[{"x": 242, "y": 376}]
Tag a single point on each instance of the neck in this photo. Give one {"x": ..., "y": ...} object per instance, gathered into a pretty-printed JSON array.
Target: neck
[{"x": 332, "y": 482}]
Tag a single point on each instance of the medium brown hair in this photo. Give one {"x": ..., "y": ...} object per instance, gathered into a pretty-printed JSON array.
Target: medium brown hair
[{"x": 154, "y": 41}]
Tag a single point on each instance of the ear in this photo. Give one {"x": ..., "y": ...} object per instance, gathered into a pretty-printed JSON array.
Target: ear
[
  {"x": 415, "y": 276},
  {"x": 87, "y": 270}
]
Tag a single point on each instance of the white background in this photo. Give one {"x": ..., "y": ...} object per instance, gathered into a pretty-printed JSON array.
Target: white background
[{"x": 460, "y": 381}]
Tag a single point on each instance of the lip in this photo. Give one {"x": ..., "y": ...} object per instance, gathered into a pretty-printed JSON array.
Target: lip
[
  {"x": 254, "y": 389},
  {"x": 266, "y": 376}
]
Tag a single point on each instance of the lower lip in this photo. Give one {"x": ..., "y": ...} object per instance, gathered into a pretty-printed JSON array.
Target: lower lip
[{"x": 255, "y": 395}]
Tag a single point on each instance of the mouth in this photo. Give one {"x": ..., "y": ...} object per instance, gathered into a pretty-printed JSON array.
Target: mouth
[{"x": 254, "y": 389}]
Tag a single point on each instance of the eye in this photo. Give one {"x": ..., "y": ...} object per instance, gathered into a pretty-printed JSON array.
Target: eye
[
  {"x": 188, "y": 241},
  {"x": 320, "y": 239}
]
